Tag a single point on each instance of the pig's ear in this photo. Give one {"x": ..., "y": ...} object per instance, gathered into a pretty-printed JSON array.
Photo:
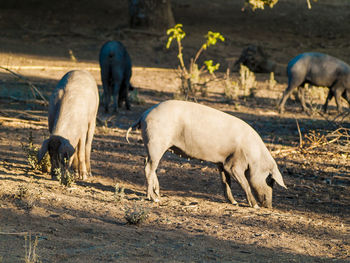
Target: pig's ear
[
  {"x": 43, "y": 150},
  {"x": 67, "y": 150},
  {"x": 276, "y": 175}
]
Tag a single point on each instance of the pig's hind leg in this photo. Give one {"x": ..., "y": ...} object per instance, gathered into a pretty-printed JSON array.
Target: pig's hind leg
[
  {"x": 238, "y": 170},
  {"x": 90, "y": 135},
  {"x": 154, "y": 153},
  {"x": 226, "y": 185},
  {"x": 81, "y": 157}
]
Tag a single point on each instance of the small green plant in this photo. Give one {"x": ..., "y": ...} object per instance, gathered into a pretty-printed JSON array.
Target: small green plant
[
  {"x": 191, "y": 76},
  {"x": 260, "y": 4},
  {"x": 136, "y": 215},
  {"x": 134, "y": 97},
  {"x": 23, "y": 192},
  {"x": 104, "y": 127},
  {"x": 24, "y": 199},
  {"x": 245, "y": 86},
  {"x": 247, "y": 80},
  {"x": 231, "y": 88},
  {"x": 119, "y": 193},
  {"x": 314, "y": 94},
  {"x": 30, "y": 249},
  {"x": 65, "y": 178},
  {"x": 272, "y": 82},
  {"x": 32, "y": 156}
]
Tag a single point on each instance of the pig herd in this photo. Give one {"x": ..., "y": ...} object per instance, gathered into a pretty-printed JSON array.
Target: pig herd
[{"x": 188, "y": 128}]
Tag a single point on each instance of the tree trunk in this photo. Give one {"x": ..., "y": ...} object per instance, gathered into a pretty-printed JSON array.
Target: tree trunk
[{"x": 154, "y": 15}]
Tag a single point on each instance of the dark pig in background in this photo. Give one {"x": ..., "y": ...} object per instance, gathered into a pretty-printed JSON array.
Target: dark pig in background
[
  {"x": 204, "y": 133},
  {"x": 72, "y": 117},
  {"x": 319, "y": 70},
  {"x": 115, "y": 66}
]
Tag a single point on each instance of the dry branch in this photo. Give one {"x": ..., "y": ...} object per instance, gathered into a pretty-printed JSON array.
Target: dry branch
[
  {"x": 316, "y": 141},
  {"x": 300, "y": 136},
  {"x": 334, "y": 122},
  {"x": 21, "y": 120},
  {"x": 34, "y": 101},
  {"x": 31, "y": 85},
  {"x": 14, "y": 233}
]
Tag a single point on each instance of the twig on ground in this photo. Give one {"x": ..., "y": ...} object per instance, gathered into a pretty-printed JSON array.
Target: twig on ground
[
  {"x": 34, "y": 101},
  {"x": 20, "y": 120},
  {"x": 334, "y": 122},
  {"x": 14, "y": 233},
  {"x": 336, "y": 135},
  {"x": 31, "y": 85},
  {"x": 300, "y": 136}
]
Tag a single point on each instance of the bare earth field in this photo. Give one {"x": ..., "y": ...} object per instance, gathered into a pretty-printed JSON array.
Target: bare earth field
[{"x": 193, "y": 223}]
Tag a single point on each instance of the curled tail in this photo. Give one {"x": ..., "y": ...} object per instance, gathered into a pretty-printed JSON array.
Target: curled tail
[{"x": 136, "y": 125}]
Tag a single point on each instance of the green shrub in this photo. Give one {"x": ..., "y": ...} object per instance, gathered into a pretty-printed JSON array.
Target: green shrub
[
  {"x": 192, "y": 77},
  {"x": 119, "y": 193},
  {"x": 31, "y": 152},
  {"x": 136, "y": 215},
  {"x": 65, "y": 178}
]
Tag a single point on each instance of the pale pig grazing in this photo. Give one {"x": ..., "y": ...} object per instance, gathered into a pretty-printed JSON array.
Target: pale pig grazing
[
  {"x": 72, "y": 117},
  {"x": 208, "y": 134}
]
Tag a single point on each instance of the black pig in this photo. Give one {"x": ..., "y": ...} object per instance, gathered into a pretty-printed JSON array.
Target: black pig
[
  {"x": 319, "y": 70},
  {"x": 115, "y": 66}
]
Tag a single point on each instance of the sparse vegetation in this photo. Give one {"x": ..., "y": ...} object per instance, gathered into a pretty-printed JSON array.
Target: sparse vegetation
[
  {"x": 24, "y": 198},
  {"x": 231, "y": 88},
  {"x": 66, "y": 177},
  {"x": 272, "y": 82},
  {"x": 30, "y": 249},
  {"x": 32, "y": 156},
  {"x": 245, "y": 86},
  {"x": 315, "y": 94},
  {"x": 119, "y": 193},
  {"x": 23, "y": 192},
  {"x": 260, "y": 4},
  {"x": 247, "y": 81},
  {"x": 136, "y": 215},
  {"x": 192, "y": 78},
  {"x": 134, "y": 97}
]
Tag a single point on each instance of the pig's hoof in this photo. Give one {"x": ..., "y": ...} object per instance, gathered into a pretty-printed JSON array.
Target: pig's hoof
[
  {"x": 256, "y": 206},
  {"x": 83, "y": 176},
  {"x": 156, "y": 200},
  {"x": 233, "y": 202}
]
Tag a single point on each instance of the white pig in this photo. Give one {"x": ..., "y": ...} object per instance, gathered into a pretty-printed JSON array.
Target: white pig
[
  {"x": 72, "y": 117},
  {"x": 204, "y": 133}
]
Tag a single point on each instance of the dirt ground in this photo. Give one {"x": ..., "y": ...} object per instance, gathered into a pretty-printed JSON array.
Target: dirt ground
[{"x": 193, "y": 223}]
